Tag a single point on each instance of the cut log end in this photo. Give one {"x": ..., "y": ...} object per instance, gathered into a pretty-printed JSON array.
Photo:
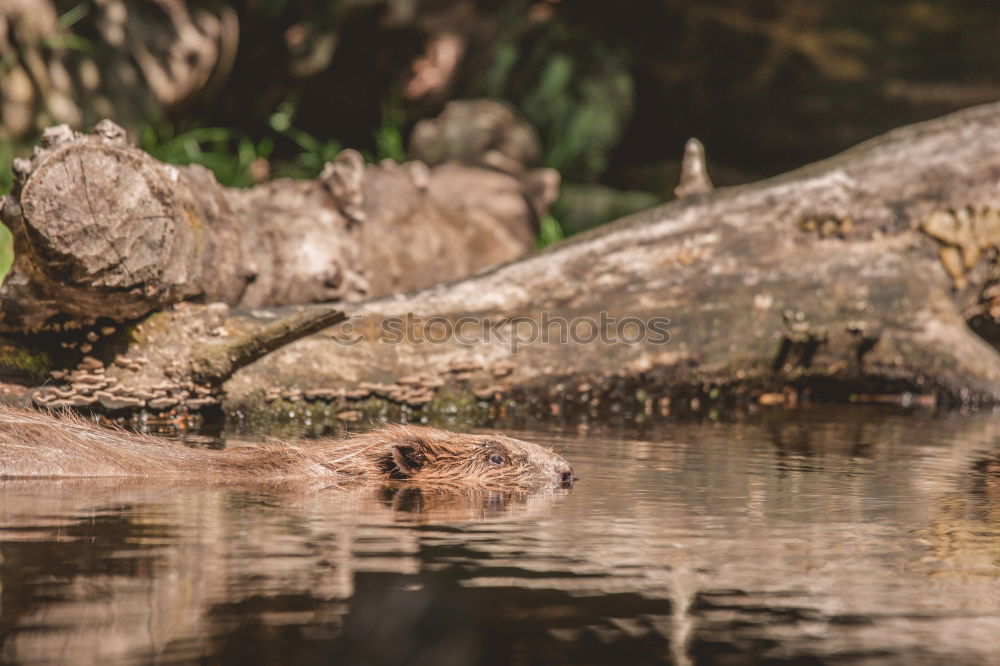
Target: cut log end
[{"x": 98, "y": 216}]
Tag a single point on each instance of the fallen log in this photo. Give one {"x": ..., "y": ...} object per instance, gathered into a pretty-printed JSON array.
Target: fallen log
[
  {"x": 103, "y": 231},
  {"x": 840, "y": 278}
]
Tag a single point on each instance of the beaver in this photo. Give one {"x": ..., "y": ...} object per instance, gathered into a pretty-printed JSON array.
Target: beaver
[{"x": 40, "y": 445}]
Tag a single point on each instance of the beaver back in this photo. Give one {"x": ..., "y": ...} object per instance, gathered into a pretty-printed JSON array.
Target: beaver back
[{"x": 38, "y": 444}]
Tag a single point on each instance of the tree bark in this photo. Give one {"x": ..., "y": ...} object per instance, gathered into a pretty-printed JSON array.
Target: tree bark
[
  {"x": 838, "y": 277},
  {"x": 175, "y": 359},
  {"x": 102, "y": 230},
  {"x": 859, "y": 274}
]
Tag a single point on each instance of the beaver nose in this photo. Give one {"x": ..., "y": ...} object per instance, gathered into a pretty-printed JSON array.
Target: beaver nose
[{"x": 567, "y": 477}]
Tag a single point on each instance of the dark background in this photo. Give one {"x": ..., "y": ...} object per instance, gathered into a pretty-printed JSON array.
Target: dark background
[{"x": 614, "y": 88}]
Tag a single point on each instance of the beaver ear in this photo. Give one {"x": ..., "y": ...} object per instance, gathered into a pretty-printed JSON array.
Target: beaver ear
[{"x": 407, "y": 459}]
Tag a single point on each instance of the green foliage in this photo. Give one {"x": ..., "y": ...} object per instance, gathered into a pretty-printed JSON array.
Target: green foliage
[
  {"x": 309, "y": 161},
  {"x": 6, "y": 251},
  {"x": 389, "y": 142},
  {"x": 580, "y": 101},
  {"x": 6, "y": 161},
  {"x": 66, "y": 39},
  {"x": 592, "y": 130},
  {"x": 290, "y": 151},
  {"x": 549, "y": 232},
  {"x": 504, "y": 60},
  {"x": 6, "y": 182},
  {"x": 222, "y": 150},
  {"x": 72, "y": 16},
  {"x": 311, "y": 153}
]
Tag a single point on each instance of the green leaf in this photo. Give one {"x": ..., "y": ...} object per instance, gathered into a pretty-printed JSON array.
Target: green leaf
[
  {"x": 73, "y": 15},
  {"x": 6, "y": 159},
  {"x": 389, "y": 143},
  {"x": 549, "y": 231},
  {"x": 6, "y": 251}
]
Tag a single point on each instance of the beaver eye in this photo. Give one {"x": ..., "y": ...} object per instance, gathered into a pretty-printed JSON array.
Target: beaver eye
[{"x": 496, "y": 459}]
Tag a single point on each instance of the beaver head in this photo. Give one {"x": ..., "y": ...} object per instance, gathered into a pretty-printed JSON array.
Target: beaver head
[{"x": 440, "y": 458}]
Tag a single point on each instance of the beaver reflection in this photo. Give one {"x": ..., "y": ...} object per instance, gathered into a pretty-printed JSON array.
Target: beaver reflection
[
  {"x": 422, "y": 504},
  {"x": 35, "y": 444}
]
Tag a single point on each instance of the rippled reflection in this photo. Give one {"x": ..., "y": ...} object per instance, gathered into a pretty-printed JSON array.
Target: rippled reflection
[{"x": 804, "y": 537}]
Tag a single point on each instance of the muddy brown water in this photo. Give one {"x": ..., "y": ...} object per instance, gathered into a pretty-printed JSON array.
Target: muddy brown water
[{"x": 848, "y": 536}]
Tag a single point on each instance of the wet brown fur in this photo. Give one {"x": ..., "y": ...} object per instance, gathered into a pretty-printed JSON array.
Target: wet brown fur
[{"x": 40, "y": 445}]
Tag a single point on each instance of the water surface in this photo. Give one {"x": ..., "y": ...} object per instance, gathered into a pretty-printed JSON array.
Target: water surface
[{"x": 829, "y": 537}]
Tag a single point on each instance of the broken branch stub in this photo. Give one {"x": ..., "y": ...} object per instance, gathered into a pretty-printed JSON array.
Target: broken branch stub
[
  {"x": 214, "y": 362},
  {"x": 179, "y": 358}
]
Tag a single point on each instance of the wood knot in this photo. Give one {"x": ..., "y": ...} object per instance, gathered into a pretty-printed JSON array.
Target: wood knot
[{"x": 344, "y": 180}]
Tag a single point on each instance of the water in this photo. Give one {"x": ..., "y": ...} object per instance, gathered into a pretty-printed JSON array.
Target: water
[{"x": 810, "y": 537}]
